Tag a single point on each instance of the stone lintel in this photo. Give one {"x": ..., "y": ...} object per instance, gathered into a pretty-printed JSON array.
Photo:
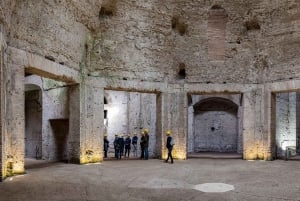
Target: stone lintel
[{"x": 35, "y": 64}]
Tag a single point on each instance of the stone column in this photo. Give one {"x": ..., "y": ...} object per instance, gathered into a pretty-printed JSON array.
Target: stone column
[
  {"x": 269, "y": 124},
  {"x": 253, "y": 143},
  {"x": 13, "y": 125},
  {"x": 86, "y": 123},
  {"x": 172, "y": 115}
]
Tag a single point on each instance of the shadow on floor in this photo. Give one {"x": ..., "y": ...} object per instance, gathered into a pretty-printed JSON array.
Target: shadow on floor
[{"x": 31, "y": 163}]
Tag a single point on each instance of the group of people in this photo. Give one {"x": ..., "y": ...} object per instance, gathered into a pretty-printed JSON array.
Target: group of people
[{"x": 123, "y": 146}]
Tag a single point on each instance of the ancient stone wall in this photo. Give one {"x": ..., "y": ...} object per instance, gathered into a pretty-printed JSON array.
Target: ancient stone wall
[
  {"x": 54, "y": 29},
  {"x": 180, "y": 30},
  {"x": 127, "y": 39},
  {"x": 6, "y": 10}
]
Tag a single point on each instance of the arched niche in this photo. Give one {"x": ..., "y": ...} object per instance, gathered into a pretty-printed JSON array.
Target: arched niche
[
  {"x": 33, "y": 121},
  {"x": 215, "y": 125}
]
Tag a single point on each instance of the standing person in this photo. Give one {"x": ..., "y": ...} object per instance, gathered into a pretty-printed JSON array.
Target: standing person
[
  {"x": 121, "y": 143},
  {"x": 127, "y": 145},
  {"x": 105, "y": 145},
  {"x": 142, "y": 145},
  {"x": 134, "y": 144},
  {"x": 169, "y": 145},
  {"x": 146, "y": 144},
  {"x": 116, "y": 146}
]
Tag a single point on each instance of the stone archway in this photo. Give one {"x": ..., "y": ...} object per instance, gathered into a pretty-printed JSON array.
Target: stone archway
[{"x": 216, "y": 125}]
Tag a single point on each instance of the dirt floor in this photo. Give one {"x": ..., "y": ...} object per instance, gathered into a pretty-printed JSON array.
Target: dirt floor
[{"x": 139, "y": 180}]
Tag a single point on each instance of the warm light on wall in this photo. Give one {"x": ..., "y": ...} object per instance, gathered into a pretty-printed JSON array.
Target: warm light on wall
[
  {"x": 91, "y": 158},
  {"x": 254, "y": 151},
  {"x": 176, "y": 154}
]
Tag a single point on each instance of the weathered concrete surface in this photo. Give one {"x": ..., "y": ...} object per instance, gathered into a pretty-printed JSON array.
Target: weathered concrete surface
[
  {"x": 86, "y": 123},
  {"x": 54, "y": 29},
  {"x": 155, "y": 180}
]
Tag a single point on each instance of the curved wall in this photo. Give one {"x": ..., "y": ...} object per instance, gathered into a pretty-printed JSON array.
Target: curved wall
[
  {"x": 56, "y": 29},
  {"x": 152, "y": 40}
]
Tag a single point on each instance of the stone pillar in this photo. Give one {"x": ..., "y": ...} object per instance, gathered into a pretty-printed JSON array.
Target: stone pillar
[
  {"x": 86, "y": 123},
  {"x": 13, "y": 129},
  {"x": 269, "y": 124},
  {"x": 253, "y": 144},
  {"x": 172, "y": 115}
]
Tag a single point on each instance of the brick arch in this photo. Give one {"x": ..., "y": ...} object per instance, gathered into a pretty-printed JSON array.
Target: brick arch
[{"x": 216, "y": 104}]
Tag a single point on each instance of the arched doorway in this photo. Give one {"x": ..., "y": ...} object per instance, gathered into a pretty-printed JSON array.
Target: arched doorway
[
  {"x": 33, "y": 121},
  {"x": 215, "y": 124}
]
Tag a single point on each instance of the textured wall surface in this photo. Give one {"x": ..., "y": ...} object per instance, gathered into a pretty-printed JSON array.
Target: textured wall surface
[
  {"x": 259, "y": 41},
  {"x": 54, "y": 29},
  {"x": 128, "y": 38}
]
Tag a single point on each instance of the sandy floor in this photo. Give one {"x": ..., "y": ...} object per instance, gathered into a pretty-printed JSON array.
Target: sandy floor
[{"x": 138, "y": 180}]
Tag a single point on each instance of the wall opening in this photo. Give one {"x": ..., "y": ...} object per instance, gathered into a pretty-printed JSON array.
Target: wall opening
[
  {"x": 181, "y": 71},
  {"x": 286, "y": 125},
  {"x": 130, "y": 113},
  {"x": 215, "y": 124},
  {"x": 46, "y": 120},
  {"x": 216, "y": 30},
  {"x": 33, "y": 121},
  {"x": 179, "y": 26}
]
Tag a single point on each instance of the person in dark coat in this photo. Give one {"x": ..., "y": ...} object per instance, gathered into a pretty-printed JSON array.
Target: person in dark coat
[
  {"x": 122, "y": 145},
  {"x": 117, "y": 147},
  {"x": 127, "y": 145},
  {"x": 169, "y": 146},
  {"x": 105, "y": 145},
  {"x": 142, "y": 145},
  {"x": 146, "y": 144},
  {"x": 134, "y": 144}
]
